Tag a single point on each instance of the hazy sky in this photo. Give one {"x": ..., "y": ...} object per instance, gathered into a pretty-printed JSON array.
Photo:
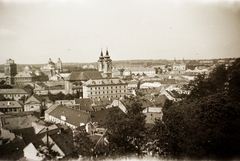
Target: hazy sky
[{"x": 32, "y": 31}]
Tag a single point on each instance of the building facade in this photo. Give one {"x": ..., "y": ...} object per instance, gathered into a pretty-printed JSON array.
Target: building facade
[
  {"x": 105, "y": 88},
  {"x": 14, "y": 94},
  {"x": 179, "y": 67}
]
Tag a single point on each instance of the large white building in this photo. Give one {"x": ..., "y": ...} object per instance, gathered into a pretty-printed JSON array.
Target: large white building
[{"x": 104, "y": 88}]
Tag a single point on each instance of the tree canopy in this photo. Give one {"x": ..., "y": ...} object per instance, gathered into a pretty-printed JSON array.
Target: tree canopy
[{"x": 206, "y": 125}]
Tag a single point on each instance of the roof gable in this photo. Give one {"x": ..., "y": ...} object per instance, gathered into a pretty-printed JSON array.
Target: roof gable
[{"x": 34, "y": 98}]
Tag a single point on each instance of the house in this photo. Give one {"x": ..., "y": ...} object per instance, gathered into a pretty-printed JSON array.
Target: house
[
  {"x": 33, "y": 103},
  {"x": 68, "y": 103},
  {"x": 59, "y": 142},
  {"x": 124, "y": 104},
  {"x": 24, "y": 77},
  {"x": 11, "y": 106},
  {"x": 43, "y": 88},
  {"x": 15, "y": 93},
  {"x": 152, "y": 114},
  {"x": 31, "y": 152},
  {"x": 18, "y": 120},
  {"x": 101, "y": 103},
  {"x": 64, "y": 115},
  {"x": 83, "y": 104}
]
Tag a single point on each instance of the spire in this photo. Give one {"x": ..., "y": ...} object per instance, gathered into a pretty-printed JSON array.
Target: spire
[
  {"x": 101, "y": 53},
  {"x": 107, "y": 52}
]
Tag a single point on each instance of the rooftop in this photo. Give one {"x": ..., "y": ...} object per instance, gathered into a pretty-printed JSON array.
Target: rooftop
[
  {"x": 72, "y": 116},
  {"x": 13, "y": 91}
]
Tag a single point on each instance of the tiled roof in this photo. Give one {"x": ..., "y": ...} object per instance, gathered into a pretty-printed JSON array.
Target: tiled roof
[
  {"x": 144, "y": 102},
  {"x": 101, "y": 116},
  {"x": 25, "y": 74},
  {"x": 10, "y": 104},
  {"x": 103, "y": 81},
  {"x": 84, "y": 75},
  {"x": 13, "y": 91},
  {"x": 84, "y": 104},
  {"x": 34, "y": 98},
  {"x": 64, "y": 141},
  {"x": 73, "y": 117},
  {"x": 50, "y": 109},
  {"x": 25, "y": 132}
]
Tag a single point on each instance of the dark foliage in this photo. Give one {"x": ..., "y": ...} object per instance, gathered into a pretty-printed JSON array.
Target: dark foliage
[{"x": 206, "y": 125}]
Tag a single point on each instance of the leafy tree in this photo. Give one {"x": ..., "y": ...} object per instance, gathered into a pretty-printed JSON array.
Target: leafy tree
[
  {"x": 206, "y": 125},
  {"x": 126, "y": 131},
  {"x": 83, "y": 145}
]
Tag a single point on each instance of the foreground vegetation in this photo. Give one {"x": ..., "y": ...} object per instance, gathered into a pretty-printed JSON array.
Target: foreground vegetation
[{"x": 204, "y": 125}]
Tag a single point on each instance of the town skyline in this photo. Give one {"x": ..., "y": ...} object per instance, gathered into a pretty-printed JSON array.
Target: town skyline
[{"x": 77, "y": 31}]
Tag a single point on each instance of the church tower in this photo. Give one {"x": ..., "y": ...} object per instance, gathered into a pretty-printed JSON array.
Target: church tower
[
  {"x": 107, "y": 66},
  {"x": 59, "y": 65},
  {"x": 100, "y": 62}
]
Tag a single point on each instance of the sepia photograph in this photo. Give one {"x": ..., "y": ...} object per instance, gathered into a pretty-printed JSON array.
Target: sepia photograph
[{"x": 119, "y": 80}]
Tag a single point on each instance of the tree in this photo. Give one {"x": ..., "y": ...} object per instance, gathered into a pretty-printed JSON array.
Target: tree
[
  {"x": 126, "y": 131},
  {"x": 206, "y": 125},
  {"x": 83, "y": 145}
]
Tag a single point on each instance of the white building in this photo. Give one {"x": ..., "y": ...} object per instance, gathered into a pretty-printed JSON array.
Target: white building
[{"x": 104, "y": 88}]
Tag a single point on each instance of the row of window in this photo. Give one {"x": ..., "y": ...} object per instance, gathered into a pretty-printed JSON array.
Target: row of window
[
  {"x": 10, "y": 109},
  {"x": 104, "y": 92},
  {"x": 116, "y": 87},
  {"x": 13, "y": 95},
  {"x": 112, "y": 96},
  {"x": 23, "y": 78}
]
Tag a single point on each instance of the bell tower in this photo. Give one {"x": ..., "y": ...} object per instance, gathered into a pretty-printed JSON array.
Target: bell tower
[
  {"x": 100, "y": 62},
  {"x": 107, "y": 66}
]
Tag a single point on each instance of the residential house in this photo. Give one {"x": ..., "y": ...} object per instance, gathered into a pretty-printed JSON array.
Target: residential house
[
  {"x": 60, "y": 142},
  {"x": 15, "y": 93},
  {"x": 18, "y": 120},
  {"x": 33, "y": 103},
  {"x": 53, "y": 87},
  {"x": 83, "y": 104},
  {"x": 124, "y": 104},
  {"x": 11, "y": 106},
  {"x": 64, "y": 115},
  {"x": 152, "y": 114},
  {"x": 101, "y": 103}
]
